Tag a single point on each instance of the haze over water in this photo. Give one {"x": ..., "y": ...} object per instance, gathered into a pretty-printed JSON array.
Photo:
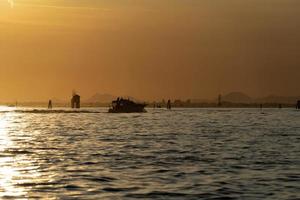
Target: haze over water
[{"x": 178, "y": 154}]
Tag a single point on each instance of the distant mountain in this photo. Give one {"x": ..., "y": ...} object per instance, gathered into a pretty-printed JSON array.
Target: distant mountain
[
  {"x": 279, "y": 99},
  {"x": 106, "y": 98},
  {"x": 132, "y": 98},
  {"x": 237, "y": 97},
  {"x": 201, "y": 101},
  {"x": 101, "y": 98},
  {"x": 56, "y": 100},
  {"x": 233, "y": 97}
]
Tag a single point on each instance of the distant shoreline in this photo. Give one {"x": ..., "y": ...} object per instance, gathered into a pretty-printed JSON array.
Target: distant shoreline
[{"x": 151, "y": 105}]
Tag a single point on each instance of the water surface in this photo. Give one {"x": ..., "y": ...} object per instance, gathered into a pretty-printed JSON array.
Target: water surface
[{"x": 178, "y": 154}]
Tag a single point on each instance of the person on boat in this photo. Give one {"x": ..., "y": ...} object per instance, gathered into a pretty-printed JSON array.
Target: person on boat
[{"x": 118, "y": 103}]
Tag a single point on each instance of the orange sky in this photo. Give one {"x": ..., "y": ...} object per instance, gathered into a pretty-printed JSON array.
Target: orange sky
[{"x": 150, "y": 49}]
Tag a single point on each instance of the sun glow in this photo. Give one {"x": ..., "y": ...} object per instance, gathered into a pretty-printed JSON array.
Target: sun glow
[{"x": 11, "y": 3}]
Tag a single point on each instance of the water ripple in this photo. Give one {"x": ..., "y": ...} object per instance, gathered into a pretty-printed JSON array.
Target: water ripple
[{"x": 178, "y": 154}]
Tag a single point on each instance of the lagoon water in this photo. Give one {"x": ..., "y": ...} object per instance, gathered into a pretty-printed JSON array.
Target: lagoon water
[{"x": 178, "y": 154}]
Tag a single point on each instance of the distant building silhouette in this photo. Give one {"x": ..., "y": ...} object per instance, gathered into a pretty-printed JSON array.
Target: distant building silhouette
[{"x": 75, "y": 101}]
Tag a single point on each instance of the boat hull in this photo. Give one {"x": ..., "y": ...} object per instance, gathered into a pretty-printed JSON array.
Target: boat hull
[
  {"x": 126, "y": 106},
  {"x": 140, "y": 109}
]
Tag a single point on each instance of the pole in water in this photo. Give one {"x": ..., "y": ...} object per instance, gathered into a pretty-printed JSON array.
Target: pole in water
[
  {"x": 50, "y": 104},
  {"x": 169, "y": 105}
]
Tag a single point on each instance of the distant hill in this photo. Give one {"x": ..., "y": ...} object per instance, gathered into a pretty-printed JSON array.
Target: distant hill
[
  {"x": 233, "y": 97},
  {"x": 201, "y": 101},
  {"x": 56, "y": 100},
  {"x": 100, "y": 98},
  {"x": 279, "y": 99},
  {"x": 106, "y": 98},
  {"x": 237, "y": 97},
  {"x": 131, "y": 98}
]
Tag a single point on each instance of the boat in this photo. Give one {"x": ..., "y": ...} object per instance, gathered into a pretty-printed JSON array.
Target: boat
[{"x": 126, "y": 106}]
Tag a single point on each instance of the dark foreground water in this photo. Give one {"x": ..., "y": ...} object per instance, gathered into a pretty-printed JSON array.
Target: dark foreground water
[{"x": 178, "y": 154}]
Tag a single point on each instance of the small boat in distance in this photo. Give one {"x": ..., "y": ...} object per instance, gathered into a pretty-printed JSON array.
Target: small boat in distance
[{"x": 126, "y": 106}]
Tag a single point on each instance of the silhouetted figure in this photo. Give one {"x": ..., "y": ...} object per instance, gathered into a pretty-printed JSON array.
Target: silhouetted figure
[
  {"x": 50, "y": 104},
  {"x": 75, "y": 101},
  {"x": 280, "y": 106},
  {"x": 169, "y": 106},
  {"x": 117, "y": 103},
  {"x": 298, "y": 105}
]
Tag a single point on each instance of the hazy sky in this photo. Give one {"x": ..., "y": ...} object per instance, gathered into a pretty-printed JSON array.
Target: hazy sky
[{"x": 150, "y": 49}]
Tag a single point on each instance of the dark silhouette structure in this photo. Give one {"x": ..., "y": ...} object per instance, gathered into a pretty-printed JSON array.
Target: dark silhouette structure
[
  {"x": 50, "y": 104},
  {"x": 126, "y": 106},
  {"x": 169, "y": 106},
  {"x": 298, "y": 105},
  {"x": 75, "y": 101}
]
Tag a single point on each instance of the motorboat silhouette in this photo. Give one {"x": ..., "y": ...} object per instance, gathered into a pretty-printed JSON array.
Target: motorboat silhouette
[{"x": 126, "y": 106}]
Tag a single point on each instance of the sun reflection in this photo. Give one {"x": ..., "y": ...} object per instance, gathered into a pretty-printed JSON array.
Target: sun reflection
[
  {"x": 8, "y": 167},
  {"x": 5, "y": 141},
  {"x": 7, "y": 176}
]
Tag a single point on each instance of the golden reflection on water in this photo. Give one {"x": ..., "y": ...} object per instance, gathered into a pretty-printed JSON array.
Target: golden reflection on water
[
  {"x": 5, "y": 141},
  {"x": 9, "y": 167}
]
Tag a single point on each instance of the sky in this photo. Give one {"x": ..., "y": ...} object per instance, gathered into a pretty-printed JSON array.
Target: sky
[{"x": 149, "y": 49}]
